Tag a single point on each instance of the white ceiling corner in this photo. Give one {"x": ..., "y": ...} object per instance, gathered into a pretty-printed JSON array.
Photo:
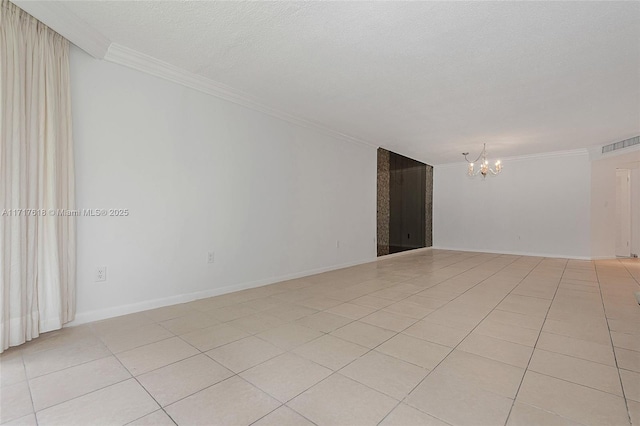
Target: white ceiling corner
[
  {"x": 426, "y": 79},
  {"x": 62, "y": 20}
]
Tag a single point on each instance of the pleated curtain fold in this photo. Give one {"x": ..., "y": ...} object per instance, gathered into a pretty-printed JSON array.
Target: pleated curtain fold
[{"x": 37, "y": 247}]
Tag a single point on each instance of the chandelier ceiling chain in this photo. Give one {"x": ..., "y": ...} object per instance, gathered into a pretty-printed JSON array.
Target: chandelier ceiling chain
[{"x": 484, "y": 168}]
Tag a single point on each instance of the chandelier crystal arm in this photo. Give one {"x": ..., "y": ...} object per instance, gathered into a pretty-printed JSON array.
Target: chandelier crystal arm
[
  {"x": 484, "y": 168},
  {"x": 476, "y": 160}
]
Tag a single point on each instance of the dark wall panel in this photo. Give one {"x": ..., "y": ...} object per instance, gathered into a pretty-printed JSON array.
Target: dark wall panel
[{"x": 405, "y": 202}]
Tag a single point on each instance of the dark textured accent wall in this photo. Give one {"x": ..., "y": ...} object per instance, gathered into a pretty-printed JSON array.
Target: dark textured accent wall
[
  {"x": 390, "y": 178},
  {"x": 383, "y": 202},
  {"x": 428, "y": 230}
]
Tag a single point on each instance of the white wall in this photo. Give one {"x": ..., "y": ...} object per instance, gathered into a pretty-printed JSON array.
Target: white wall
[
  {"x": 635, "y": 211},
  {"x": 197, "y": 174},
  {"x": 539, "y": 205},
  {"x": 603, "y": 202}
]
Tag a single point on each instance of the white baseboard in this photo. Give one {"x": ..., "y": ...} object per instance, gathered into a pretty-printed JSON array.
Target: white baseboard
[
  {"x": 515, "y": 253},
  {"x": 101, "y": 314}
]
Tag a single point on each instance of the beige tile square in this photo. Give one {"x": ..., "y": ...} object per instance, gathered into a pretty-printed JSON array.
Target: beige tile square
[
  {"x": 15, "y": 401},
  {"x": 157, "y": 418},
  {"x": 485, "y": 373},
  {"x": 63, "y": 385},
  {"x": 391, "y": 294},
  {"x": 183, "y": 378},
  {"x": 510, "y": 333},
  {"x": 289, "y": 336},
  {"x": 231, "y": 402},
  {"x": 81, "y": 335},
  {"x": 440, "y": 294},
  {"x": 351, "y": 310},
  {"x": 526, "y": 415},
  {"x": 193, "y": 321},
  {"x": 520, "y": 320},
  {"x": 404, "y": 415},
  {"x": 427, "y": 302},
  {"x": 330, "y": 351},
  {"x": 436, "y": 333},
  {"x": 257, "y": 323},
  {"x": 264, "y": 303},
  {"x": 580, "y": 371},
  {"x": 45, "y": 362},
  {"x": 629, "y": 326},
  {"x": 339, "y": 400},
  {"x": 416, "y": 351},
  {"x": 626, "y": 341},
  {"x": 372, "y": 302},
  {"x": 576, "y": 348},
  {"x": 631, "y": 384},
  {"x": 532, "y": 306},
  {"x": 409, "y": 309},
  {"x": 290, "y": 312},
  {"x": 283, "y": 416},
  {"x": 168, "y": 312},
  {"x": 578, "y": 330},
  {"x": 12, "y": 368},
  {"x": 212, "y": 337},
  {"x": 285, "y": 376},
  {"x": 230, "y": 313},
  {"x": 386, "y": 374},
  {"x": 117, "y": 404},
  {"x": 319, "y": 303},
  {"x": 28, "y": 420},
  {"x": 576, "y": 402},
  {"x": 497, "y": 349},
  {"x": 388, "y": 321},
  {"x": 155, "y": 355},
  {"x": 629, "y": 360},
  {"x": 244, "y": 353},
  {"x": 324, "y": 322},
  {"x": 363, "y": 334},
  {"x": 459, "y": 402},
  {"x": 124, "y": 339},
  {"x": 124, "y": 322},
  {"x": 455, "y": 317}
]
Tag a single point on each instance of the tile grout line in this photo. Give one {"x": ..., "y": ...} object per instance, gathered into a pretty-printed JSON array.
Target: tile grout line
[
  {"x": 515, "y": 397},
  {"x": 236, "y": 374},
  {"x": 370, "y": 350},
  {"x": 453, "y": 348},
  {"x": 294, "y": 322},
  {"x": 101, "y": 340},
  {"x": 615, "y": 355},
  {"x": 391, "y": 337}
]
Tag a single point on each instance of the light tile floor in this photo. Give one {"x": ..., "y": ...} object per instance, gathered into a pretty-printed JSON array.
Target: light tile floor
[{"x": 427, "y": 338}]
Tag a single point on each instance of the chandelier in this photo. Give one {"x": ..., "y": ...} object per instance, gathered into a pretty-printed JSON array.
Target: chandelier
[{"x": 484, "y": 168}]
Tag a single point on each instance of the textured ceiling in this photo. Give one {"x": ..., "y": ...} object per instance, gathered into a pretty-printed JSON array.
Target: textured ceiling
[{"x": 426, "y": 79}]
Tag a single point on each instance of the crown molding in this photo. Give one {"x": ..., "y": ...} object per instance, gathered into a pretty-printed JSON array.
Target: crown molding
[
  {"x": 66, "y": 23},
  {"x": 69, "y": 25},
  {"x": 553, "y": 154},
  {"x": 141, "y": 62}
]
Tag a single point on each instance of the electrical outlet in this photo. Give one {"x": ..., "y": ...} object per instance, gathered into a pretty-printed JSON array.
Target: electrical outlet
[
  {"x": 338, "y": 244},
  {"x": 210, "y": 257},
  {"x": 101, "y": 273}
]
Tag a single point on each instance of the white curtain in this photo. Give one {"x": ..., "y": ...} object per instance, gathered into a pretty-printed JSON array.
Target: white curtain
[{"x": 37, "y": 248}]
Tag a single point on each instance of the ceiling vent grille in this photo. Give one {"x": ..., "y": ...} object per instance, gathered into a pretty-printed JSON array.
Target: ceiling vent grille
[{"x": 622, "y": 144}]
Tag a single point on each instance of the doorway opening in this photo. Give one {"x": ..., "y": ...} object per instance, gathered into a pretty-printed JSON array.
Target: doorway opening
[{"x": 627, "y": 215}]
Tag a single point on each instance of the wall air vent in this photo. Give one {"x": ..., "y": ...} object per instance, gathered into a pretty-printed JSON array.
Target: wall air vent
[{"x": 622, "y": 144}]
